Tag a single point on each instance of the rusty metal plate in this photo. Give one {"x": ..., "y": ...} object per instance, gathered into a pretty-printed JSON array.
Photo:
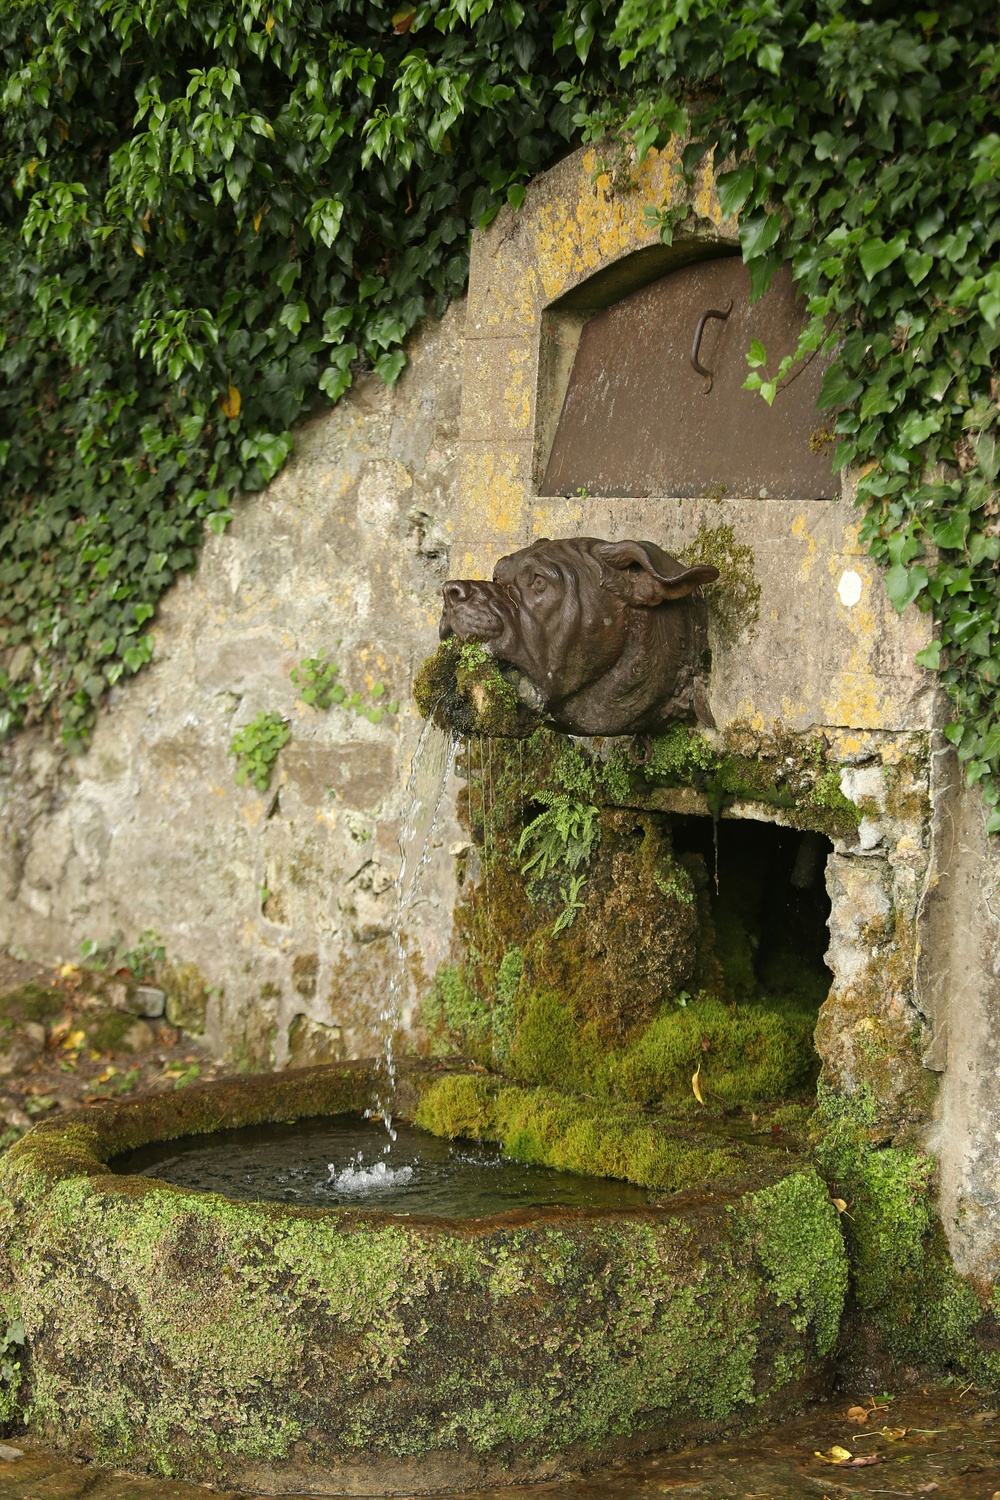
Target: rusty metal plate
[{"x": 638, "y": 419}]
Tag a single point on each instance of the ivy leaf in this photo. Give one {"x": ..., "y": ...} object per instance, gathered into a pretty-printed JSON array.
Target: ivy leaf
[
  {"x": 903, "y": 584},
  {"x": 758, "y": 234},
  {"x": 734, "y": 188},
  {"x": 930, "y": 656},
  {"x": 838, "y": 388},
  {"x": 877, "y": 255},
  {"x": 917, "y": 265}
]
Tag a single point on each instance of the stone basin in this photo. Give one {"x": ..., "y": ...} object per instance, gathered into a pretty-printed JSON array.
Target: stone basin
[{"x": 354, "y": 1351}]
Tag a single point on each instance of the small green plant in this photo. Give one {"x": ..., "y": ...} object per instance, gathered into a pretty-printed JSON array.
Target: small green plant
[
  {"x": 140, "y": 961},
  {"x": 256, "y": 749},
  {"x": 564, "y": 836},
  {"x": 573, "y": 904},
  {"x": 316, "y": 680}
]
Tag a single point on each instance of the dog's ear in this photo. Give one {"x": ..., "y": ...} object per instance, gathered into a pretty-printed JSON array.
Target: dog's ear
[{"x": 628, "y": 569}]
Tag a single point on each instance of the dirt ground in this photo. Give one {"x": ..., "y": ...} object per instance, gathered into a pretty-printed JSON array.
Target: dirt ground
[{"x": 70, "y": 1037}]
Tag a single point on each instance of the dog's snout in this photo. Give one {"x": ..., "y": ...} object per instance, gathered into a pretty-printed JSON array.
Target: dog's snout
[{"x": 456, "y": 591}]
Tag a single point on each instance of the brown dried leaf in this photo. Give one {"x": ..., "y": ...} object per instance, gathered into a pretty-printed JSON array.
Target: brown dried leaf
[
  {"x": 403, "y": 20},
  {"x": 857, "y": 1414}
]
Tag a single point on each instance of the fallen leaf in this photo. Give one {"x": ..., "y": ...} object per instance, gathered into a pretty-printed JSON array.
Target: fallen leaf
[
  {"x": 231, "y": 404},
  {"x": 857, "y": 1414},
  {"x": 694, "y": 1084},
  {"x": 925, "y": 1489},
  {"x": 841, "y": 1208},
  {"x": 836, "y": 1455},
  {"x": 75, "y": 1040},
  {"x": 65, "y": 970},
  {"x": 865, "y": 1462}
]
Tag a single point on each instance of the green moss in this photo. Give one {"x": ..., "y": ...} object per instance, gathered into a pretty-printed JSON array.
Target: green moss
[
  {"x": 455, "y": 1019},
  {"x": 544, "y": 1127},
  {"x": 109, "y": 1031},
  {"x": 744, "y": 1054},
  {"x": 734, "y": 605},
  {"x": 797, "y": 1236},
  {"x": 259, "y": 1336},
  {"x": 462, "y": 690},
  {"x": 31, "y": 1002},
  {"x": 905, "y": 1289}
]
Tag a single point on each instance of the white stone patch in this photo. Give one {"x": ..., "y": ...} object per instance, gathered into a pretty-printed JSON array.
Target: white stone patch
[
  {"x": 849, "y": 588},
  {"x": 859, "y": 783}
]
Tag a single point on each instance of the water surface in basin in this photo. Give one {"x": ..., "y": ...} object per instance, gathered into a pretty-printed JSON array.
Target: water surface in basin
[{"x": 345, "y": 1161}]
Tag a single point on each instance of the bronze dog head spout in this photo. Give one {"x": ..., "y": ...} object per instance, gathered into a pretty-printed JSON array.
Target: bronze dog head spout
[{"x": 612, "y": 635}]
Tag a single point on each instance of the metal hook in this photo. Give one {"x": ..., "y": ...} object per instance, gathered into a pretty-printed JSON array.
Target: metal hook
[
  {"x": 713, "y": 312},
  {"x": 640, "y": 751}
]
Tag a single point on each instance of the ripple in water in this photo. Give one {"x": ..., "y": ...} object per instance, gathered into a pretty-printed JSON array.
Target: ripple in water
[{"x": 349, "y": 1162}]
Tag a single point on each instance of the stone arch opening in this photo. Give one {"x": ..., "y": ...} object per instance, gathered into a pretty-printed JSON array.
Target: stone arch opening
[{"x": 769, "y": 906}]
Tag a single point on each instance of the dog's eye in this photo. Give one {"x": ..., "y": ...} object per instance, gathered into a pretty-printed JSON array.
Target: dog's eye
[{"x": 539, "y": 583}]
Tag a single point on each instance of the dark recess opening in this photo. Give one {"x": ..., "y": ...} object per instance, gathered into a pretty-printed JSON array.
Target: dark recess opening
[{"x": 770, "y": 910}]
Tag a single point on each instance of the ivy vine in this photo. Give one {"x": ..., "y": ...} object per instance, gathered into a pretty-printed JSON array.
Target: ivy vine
[
  {"x": 861, "y": 141},
  {"x": 214, "y": 214}
]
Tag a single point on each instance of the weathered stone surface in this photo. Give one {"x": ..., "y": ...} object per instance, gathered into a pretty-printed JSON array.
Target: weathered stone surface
[
  {"x": 343, "y": 556},
  {"x": 465, "y": 1352}
]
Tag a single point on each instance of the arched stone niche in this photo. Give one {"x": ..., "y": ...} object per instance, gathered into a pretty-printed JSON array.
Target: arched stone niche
[{"x": 913, "y": 892}]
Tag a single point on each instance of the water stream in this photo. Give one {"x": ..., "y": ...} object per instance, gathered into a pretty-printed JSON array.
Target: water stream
[{"x": 430, "y": 772}]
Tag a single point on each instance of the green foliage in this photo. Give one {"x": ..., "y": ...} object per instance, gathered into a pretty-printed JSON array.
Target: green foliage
[
  {"x": 256, "y": 749},
  {"x": 214, "y": 219},
  {"x": 563, "y": 837},
  {"x": 140, "y": 960},
  {"x": 862, "y": 142},
  {"x": 453, "y": 1016},
  {"x": 316, "y": 680}
]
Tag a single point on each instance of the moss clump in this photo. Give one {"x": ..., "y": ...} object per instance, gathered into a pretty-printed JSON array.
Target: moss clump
[
  {"x": 462, "y": 690},
  {"x": 30, "y": 1002},
  {"x": 546, "y": 1128},
  {"x": 796, "y": 1235},
  {"x": 733, "y": 607},
  {"x": 743, "y": 1054},
  {"x": 905, "y": 1290},
  {"x": 454, "y": 1017},
  {"x": 109, "y": 1032}
]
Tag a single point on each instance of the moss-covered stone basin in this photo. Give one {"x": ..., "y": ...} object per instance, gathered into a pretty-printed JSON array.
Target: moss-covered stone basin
[{"x": 348, "y": 1351}]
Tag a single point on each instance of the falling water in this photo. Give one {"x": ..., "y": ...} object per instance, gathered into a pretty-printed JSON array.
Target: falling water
[{"x": 430, "y": 772}]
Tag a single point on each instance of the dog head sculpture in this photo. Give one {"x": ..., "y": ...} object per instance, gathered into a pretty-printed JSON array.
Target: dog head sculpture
[{"x": 612, "y": 635}]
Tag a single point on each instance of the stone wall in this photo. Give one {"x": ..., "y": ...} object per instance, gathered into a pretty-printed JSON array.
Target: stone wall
[{"x": 278, "y": 905}]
